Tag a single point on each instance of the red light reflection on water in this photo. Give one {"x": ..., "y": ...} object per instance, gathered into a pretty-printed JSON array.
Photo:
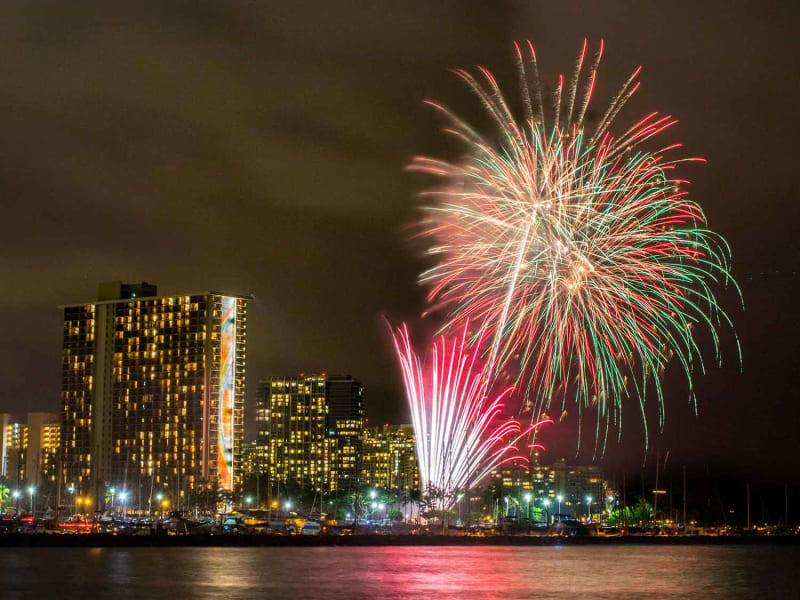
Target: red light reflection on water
[
  {"x": 609, "y": 572},
  {"x": 612, "y": 572}
]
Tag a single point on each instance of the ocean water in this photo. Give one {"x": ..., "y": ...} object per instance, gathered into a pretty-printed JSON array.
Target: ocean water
[{"x": 445, "y": 573}]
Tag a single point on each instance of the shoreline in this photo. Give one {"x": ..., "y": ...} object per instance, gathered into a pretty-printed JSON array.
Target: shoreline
[{"x": 102, "y": 540}]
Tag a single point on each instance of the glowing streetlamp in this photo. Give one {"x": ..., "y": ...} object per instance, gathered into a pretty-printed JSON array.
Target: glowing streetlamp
[
  {"x": 71, "y": 490},
  {"x": 79, "y": 501},
  {"x": 589, "y": 515},
  {"x": 162, "y": 503},
  {"x": 547, "y": 508},
  {"x": 287, "y": 505},
  {"x": 123, "y": 496},
  {"x": 32, "y": 491},
  {"x": 559, "y": 498},
  {"x": 528, "y": 502},
  {"x": 164, "y": 506}
]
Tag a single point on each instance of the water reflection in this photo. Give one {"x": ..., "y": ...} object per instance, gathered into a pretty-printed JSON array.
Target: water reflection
[{"x": 613, "y": 572}]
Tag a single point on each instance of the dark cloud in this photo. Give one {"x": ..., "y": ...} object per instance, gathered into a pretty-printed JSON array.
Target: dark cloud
[{"x": 260, "y": 146}]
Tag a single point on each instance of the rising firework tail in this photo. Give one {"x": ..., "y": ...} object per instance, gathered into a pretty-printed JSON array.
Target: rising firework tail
[
  {"x": 460, "y": 433},
  {"x": 578, "y": 252}
]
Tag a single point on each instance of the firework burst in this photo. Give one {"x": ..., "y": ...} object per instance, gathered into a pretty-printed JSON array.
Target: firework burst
[
  {"x": 579, "y": 252},
  {"x": 460, "y": 435}
]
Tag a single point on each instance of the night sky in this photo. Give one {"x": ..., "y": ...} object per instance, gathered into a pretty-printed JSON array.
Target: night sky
[{"x": 259, "y": 147}]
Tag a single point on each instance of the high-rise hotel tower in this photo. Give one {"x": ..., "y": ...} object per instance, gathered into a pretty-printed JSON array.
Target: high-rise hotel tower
[
  {"x": 153, "y": 393},
  {"x": 310, "y": 432}
]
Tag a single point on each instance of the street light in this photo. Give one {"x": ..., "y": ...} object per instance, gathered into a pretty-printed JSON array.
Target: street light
[
  {"x": 547, "y": 508},
  {"x": 248, "y": 500},
  {"x": 123, "y": 496},
  {"x": 32, "y": 491},
  {"x": 560, "y": 498},
  {"x": 79, "y": 501},
  {"x": 528, "y": 501},
  {"x": 373, "y": 494},
  {"x": 287, "y": 505},
  {"x": 589, "y": 500}
]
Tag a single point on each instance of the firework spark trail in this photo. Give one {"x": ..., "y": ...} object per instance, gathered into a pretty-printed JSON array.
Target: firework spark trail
[
  {"x": 458, "y": 440},
  {"x": 579, "y": 253}
]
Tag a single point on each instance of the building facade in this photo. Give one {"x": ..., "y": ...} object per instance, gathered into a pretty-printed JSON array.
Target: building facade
[
  {"x": 538, "y": 487},
  {"x": 249, "y": 462},
  {"x": 14, "y": 439},
  {"x": 153, "y": 392},
  {"x": 30, "y": 451},
  {"x": 309, "y": 433},
  {"x": 389, "y": 458},
  {"x": 41, "y": 449},
  {"x": 344, "y": 397},
  {"x": 576, "y": 484},
  {"x": 292, "y": 421}
]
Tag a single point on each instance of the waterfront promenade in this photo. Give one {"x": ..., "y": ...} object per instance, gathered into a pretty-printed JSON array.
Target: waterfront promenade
[{"x": 106, "y": 540}]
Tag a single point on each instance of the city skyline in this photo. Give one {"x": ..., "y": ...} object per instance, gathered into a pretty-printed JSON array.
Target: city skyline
[
  {"x": 325, "y": 255},
  {"x": 431, "y": 299}
]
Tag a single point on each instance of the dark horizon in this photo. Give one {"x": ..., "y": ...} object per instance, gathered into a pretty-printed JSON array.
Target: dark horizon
[{"x": 262, "y": 150}]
